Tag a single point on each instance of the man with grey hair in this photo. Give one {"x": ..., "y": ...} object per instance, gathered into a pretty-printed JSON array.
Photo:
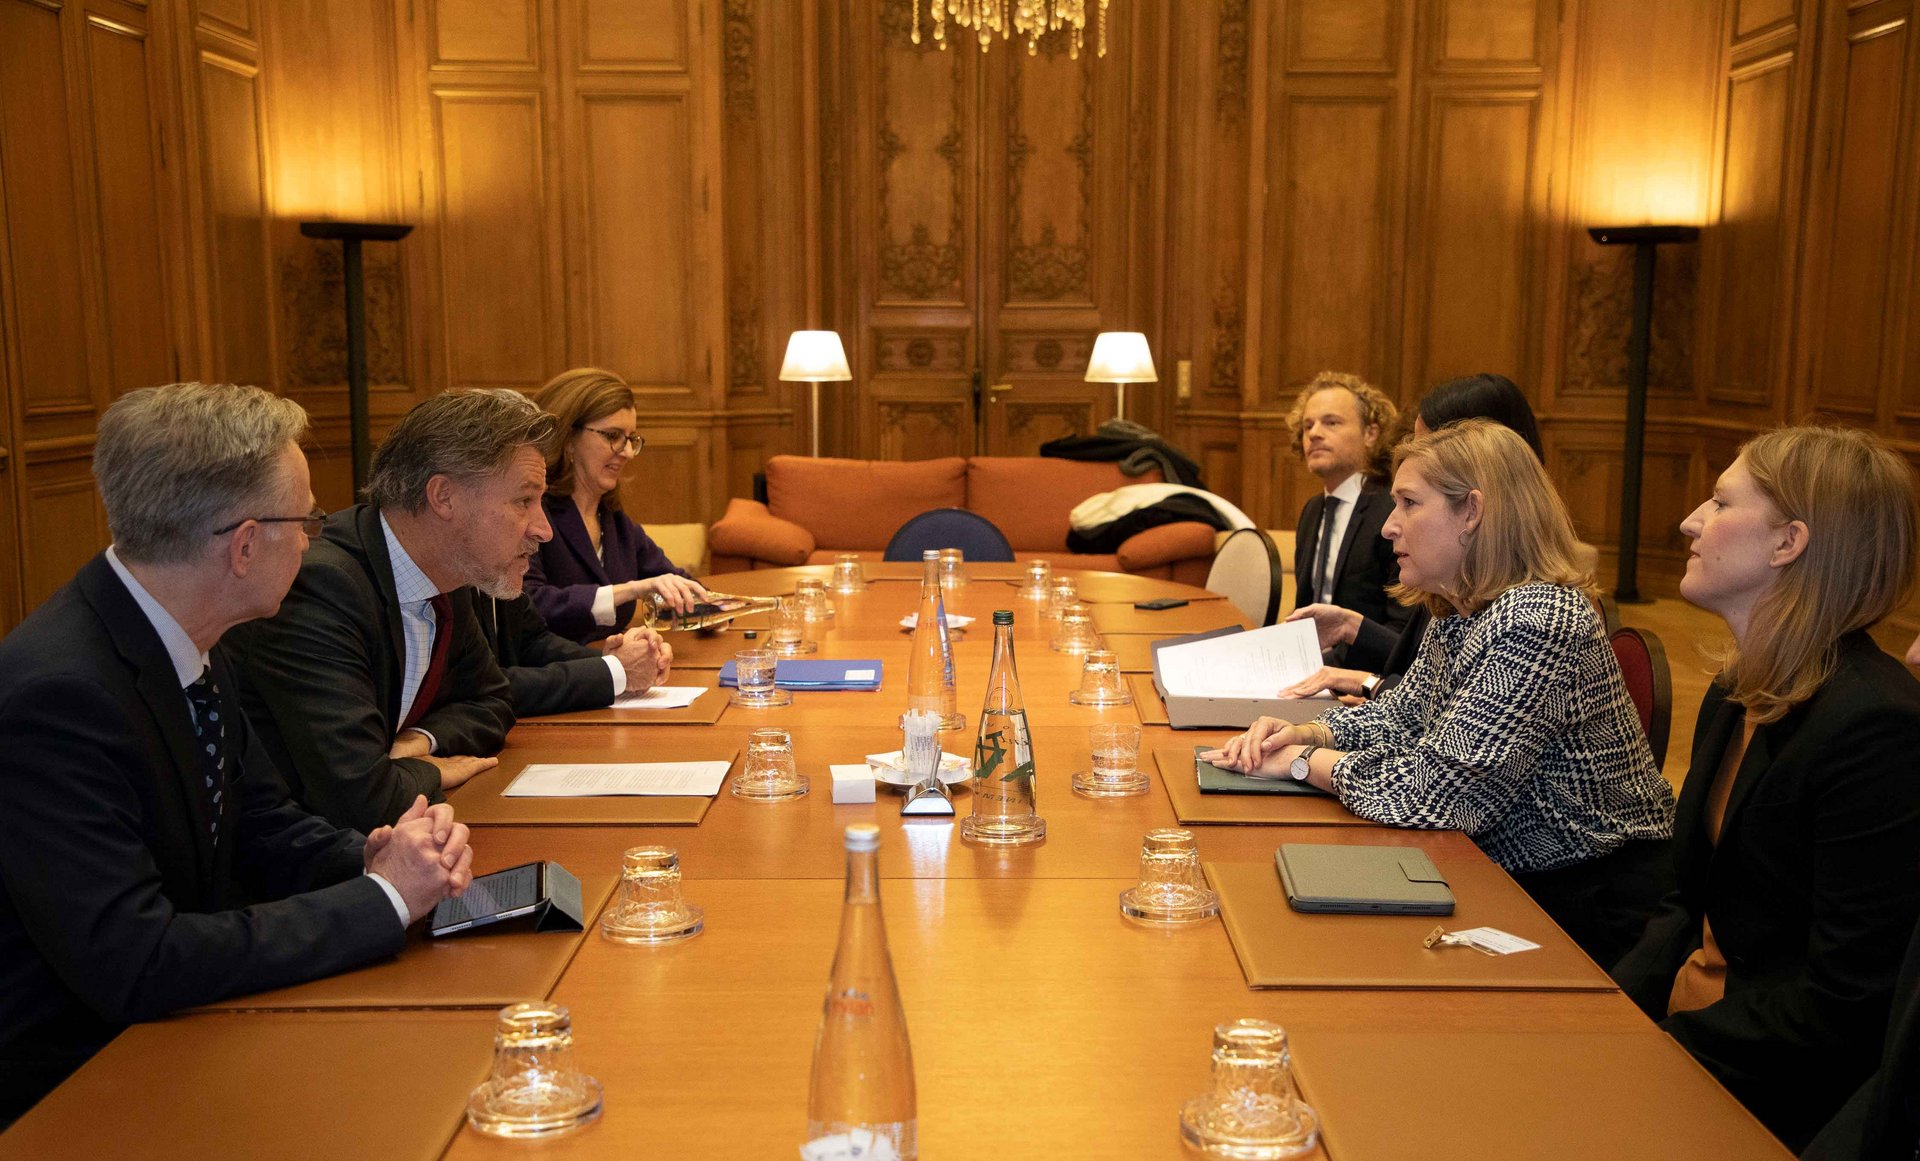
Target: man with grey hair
[
  {"x": 377, "y": 681},
  {"x": 150, "y": 857}
]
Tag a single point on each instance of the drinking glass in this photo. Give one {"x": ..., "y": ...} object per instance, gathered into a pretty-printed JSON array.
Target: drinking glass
[
  {"x": 953, "y": 568},
  {"x": 1252, "y": 1112},
  {"x": 1065, "y": 592},
  {"x": 770, "y": 774},
  {"x": 1076, "y": 633},
  {"x": 753, "y": 673},
  {"x": 649, "y": 908},
  {"x": 1115, "y": 771},
  {"x": 849, "y": 575},
  {"x": 789, "y": 623},
  {"x": 535, "y": 1089},
  {"x": 1038, "y": 585},
  {"x": 1100, "y": 681},
  {"x": 1171, "y": 891},
  {"x": 811, "y": 592}
]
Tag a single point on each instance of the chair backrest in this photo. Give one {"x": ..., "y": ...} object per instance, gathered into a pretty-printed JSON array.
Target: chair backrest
[
  {"x": 1609, "y": 613},
  {"x": 1248, "y": 572},
  {"x": 1643, "y": 663},
  {"x": 971, "y": 533}
]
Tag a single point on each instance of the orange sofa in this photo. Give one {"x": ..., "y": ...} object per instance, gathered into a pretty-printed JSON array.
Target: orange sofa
[{"x": 819, "y": 507}]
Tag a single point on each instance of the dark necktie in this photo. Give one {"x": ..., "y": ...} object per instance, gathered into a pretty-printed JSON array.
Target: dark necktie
[
  {"x": 210, "y": 733},
  {"x": 1323, "y": 555},
  {"x": 436, "y": 662}
]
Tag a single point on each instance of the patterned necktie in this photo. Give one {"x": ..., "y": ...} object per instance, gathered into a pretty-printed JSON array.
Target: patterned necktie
[
  {"x": 1323, "y": 555},
  {"x": 211, "y": 734}
]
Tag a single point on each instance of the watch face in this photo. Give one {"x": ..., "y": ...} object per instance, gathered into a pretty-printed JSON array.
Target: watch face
[{"x": 1299, "y": 769}]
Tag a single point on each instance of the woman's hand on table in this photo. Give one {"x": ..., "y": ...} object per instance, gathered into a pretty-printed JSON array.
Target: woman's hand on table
[
  {"x": 1254, "y": 751},
  {"x": 679, "y": 593}
]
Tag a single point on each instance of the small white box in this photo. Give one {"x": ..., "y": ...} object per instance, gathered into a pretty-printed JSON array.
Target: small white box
[{"x": 853, "y": 783}]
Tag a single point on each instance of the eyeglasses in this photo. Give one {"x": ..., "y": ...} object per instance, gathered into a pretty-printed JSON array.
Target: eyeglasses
[
  {"x": 633, "y": 441},
  {"x": 311, "y": 523}
]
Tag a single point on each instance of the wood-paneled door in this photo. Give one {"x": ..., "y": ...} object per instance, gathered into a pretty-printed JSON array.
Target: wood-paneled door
[{"x": 992, "y": 201}]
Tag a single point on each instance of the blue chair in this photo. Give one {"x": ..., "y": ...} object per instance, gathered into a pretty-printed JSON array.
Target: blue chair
[{"x": 970, "y": 532}]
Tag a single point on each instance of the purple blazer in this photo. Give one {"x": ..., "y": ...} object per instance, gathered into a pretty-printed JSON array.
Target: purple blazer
[{"x": 564, "y": 575}]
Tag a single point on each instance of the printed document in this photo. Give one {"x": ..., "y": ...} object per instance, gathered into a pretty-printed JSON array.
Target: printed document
[
  {"x": 594, "y": 780},
  {"x": 1256, "y": 664},
  {"x": 661, "y": 697}
]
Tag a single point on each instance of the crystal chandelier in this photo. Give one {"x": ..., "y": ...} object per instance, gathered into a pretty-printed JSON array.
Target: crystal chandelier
[{"x": 1010, "y": 18}]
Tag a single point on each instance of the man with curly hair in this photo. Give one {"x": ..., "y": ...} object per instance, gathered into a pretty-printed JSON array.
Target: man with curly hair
[{"x": 1343, "y": 428}]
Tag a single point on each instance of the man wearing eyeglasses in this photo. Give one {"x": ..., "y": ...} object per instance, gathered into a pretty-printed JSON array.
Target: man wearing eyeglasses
[{"x": 150, "y": 857}]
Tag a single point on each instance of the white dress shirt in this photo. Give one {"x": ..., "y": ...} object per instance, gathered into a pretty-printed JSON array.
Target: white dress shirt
[
  {"x": 190, "y": 662},
  {"x": 1347, "y": 494}
]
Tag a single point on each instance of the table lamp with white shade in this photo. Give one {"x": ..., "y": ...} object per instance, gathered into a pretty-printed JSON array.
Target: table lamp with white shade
[
  {"x": 815, "y": 357},
  {"x": 1120, "y": 358}
]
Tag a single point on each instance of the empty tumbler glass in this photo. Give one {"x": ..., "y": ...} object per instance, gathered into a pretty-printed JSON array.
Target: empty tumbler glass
[
  {"x": 649, "y": 907},
  {"x": 953, "y": 568},
  {"x": 535, "y": 1089},
  {"x": 1115, "y": 771},
  {"x": 811, "y": 592},
  {"x": 1171, "y": 891},
  {"x": 1252, "y": 1112},
  {"x": 849, "y": 575},
  {"x": 1100, "y": 681},
  {"x": 1065, "y": 592},
  {"x": 789, "y": 623},
  {"x": 1076, "y": 633},
  {"x": 770, "y": 774},
  {"x": 1038, "y": 585}
]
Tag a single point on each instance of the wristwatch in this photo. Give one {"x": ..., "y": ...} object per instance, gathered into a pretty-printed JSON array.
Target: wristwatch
[
  {"x": 1298, "y": 767},
  {"x": 1371, "y": 686}
]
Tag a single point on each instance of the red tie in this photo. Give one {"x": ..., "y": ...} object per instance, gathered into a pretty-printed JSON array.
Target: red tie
[{"x": 436, "y": 664}]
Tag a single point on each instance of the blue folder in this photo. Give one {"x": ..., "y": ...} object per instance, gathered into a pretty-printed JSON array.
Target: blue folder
[{"x": 801, "y": 673}]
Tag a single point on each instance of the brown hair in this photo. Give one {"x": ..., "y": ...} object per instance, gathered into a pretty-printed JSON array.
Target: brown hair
[
  {"x": 1856, "y": 496},
  {"x": 576, "y": 398},
  {"x": 464, "y": 435},
  {"x": 1525, "y": 534},
  {"x": 1376, "y": 410}
]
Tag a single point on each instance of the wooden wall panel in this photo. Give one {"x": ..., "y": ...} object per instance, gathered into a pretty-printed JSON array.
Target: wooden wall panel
[
  {"x": 485, "y": 34},
  {"x": 139, "y": 299},
  {"x": 1327, "y": 289},
  {"x": 1488, "y": 33},
  {"x": 640, "y": 230},
  {"x": 64, "y": 525},
  {"x": 1472, "y": 309},
  {"x": 242, "y": 308},
  {"x": 1744, "y": 252},
  {"x": 494, "y": 260},
  {"x": 47, "y": 247},
  {"x": 1343, "y": 35},
  {"x": 234, "y": 17},
  {"x": 1850, "y": 254},
  {"x": 1757, "y": 16},
  {"x": 633, "y": 34}
]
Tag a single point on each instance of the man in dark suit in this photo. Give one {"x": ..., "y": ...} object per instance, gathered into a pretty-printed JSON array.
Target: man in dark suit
[
  {"x": 1341, "y": 427},
  {"x": 549, "y": 674},
  {"x": 138, "y": 813},
  {"x": 375, "y": 682}
]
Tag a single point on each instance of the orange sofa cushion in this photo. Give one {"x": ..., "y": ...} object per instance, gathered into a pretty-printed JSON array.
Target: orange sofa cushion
[
  {"x": 854, "y": 505},
  {"x": 1029, "y": 497}
]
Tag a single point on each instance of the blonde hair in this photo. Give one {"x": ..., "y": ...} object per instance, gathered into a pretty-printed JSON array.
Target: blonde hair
[
  {"x": 1856, "y": 497},
  {"x": 1525, "y": 534},
  {"x": 576, "y": 398},
  {"x": 1376, "y": 410}
]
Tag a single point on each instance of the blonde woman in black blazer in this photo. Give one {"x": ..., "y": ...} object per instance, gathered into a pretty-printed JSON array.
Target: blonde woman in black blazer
[{"x": 1797, "y": 845}]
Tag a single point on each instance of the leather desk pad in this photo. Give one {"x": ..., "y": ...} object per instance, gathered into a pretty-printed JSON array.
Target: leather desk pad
[
  {"x": 1193, "y": 808},
  {"x": 1497, "y": 1095},
  {"x": 705, "y": 710},
  {"x": 392, "y": 1085},
  {"x": 1146, "y": 700},
  {"x": 1279, "y": 947},
  {"x": 481, "y": 800},
  {"x": 1197, "y": 617}
]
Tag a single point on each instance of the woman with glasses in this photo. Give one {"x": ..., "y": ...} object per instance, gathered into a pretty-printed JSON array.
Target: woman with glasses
[{"x": 599, "y": 564}]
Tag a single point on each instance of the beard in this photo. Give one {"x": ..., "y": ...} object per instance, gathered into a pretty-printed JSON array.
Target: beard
[{"x": 510, "y": 581}]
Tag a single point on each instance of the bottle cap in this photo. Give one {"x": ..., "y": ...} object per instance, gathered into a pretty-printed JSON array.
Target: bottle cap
[
  {"x": 750, "y": 634},
  {"x": 863, "y": 836},
  {"x": 1003, "y": 616},
  {"x": 930, "y": 554}
]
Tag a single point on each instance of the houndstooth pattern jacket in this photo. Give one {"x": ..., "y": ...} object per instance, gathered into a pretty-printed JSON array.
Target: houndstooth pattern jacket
[{"x": 1514, "y": 726}]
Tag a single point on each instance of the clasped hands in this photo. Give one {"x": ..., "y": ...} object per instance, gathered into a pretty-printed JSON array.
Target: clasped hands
[
  {"x": 1269, "y": 747},
  {"x": 644, "y": 654},
  {"x": 424, "y": 854}
]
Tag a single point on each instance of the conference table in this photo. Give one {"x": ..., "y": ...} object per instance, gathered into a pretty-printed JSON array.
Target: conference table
[{"x": 1043, "y": 1023}]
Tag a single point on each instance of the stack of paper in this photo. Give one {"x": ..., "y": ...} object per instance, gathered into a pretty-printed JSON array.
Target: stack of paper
[
  {"x": 1255, "y": 664},
  {"x": 593, "y": 780}
]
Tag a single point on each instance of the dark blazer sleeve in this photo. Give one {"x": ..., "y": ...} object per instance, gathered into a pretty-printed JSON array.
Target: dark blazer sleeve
[
  {"x": 308, "y": 681},
  {"x": 86, "y": 888},
  {"x": 1373, "y": 568},
  {"x": 1380, "y": 649},
  {"x": 559, "y": 588},
  {"x": 548, "y": 673},
  {"x": 474, "y": 708}
]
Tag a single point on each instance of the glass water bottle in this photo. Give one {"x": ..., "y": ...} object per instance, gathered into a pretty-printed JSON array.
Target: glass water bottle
[
  {"x": 716, "y": 610},
  {"x": 930, "y": 683},
  {"x": 861, "y": 1101},
  {"x": 1003, "y": 807}
]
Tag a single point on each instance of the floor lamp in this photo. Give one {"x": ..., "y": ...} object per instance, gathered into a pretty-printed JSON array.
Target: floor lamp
[
  {"x": 1120, "y": 358},
  {"x": 351, "y": 235},
  {"x": 1643, "y": 239},
  {"x": 813, "y": 358}
]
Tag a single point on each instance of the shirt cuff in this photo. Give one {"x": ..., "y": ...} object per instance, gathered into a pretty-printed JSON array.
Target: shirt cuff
[
  {"x": 433, "y": 743},
  {"x": 603, "y": 605},
  {"x": 619, "y": 674},
  {"x": 393, "y": 896}
]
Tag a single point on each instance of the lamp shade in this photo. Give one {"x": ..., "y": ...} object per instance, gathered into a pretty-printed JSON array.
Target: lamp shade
[
  {"x": 815, "y": 357},
  {"x": 1121, "y": 357}
]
